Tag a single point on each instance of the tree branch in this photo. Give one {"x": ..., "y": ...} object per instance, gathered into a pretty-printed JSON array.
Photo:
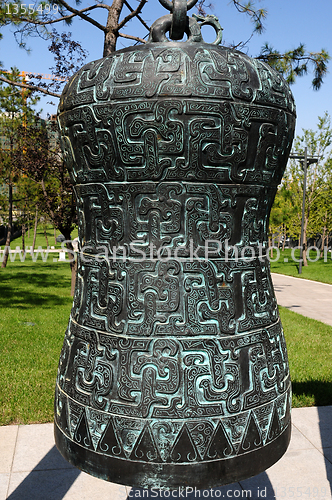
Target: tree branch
[
  {"x": 29, "y": 87},
  {"x": 132, "y": 14},
  {"x": 83, "y": 16},
  {"x": 63, "y": 18},
  {"x": 39, "y": 22},
  {"x": 137, "y": 15},
  {"x": 256, "y": 15},
  {"x": 309, "y": 57},
  {"x": 131, "y": 37},
  {"x": 241, "y": 45}
]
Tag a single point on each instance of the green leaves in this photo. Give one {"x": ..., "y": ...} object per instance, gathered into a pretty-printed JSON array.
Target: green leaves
[
  {"x": 41, "y": 162},
  {"x": 318, "y": 206},
  {"x": 320, "y": 61},
  {"x": 297, "y": 62},
  {"x": 257, "y": 16},
  {"x": 15, "y": 112}
]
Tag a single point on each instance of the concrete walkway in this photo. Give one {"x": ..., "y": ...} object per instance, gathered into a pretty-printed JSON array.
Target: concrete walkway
[
  {"x": 310, "y": 298},
  {"x": 31, "y": 468}
]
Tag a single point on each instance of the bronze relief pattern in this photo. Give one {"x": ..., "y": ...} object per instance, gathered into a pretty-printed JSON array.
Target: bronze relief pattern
[{"x": 174, "y": 352}]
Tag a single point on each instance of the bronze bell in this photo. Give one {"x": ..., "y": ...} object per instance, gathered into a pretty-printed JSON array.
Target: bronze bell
[{"x": 174, "y": 368}]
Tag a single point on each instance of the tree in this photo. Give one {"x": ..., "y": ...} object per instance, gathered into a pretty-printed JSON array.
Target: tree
[
  {"x": 282, "y": 212},
  {"x": 291, "y": 64},
  {"x": 321, "y": 220},
  {"x": 16, "y": 112},
  {"x": 41, "y": 18},
  {"x": 319, "y": 176},
  {"x": 41, "y": 161},
  {"x": 297, "y": 62}
]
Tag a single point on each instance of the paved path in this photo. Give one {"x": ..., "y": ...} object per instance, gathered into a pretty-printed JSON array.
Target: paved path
[
  {"x": 31, "y": 468},
  {"x": 310, "y": 298}
]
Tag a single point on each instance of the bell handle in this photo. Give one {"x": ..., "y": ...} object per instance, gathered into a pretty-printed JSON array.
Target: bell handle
[
  {"x": 192, "y": 28},
  {"x": 179, "y": 18},
  {"x": 213, "y": 21},
  {"x": 170, "y": 5},
  {"x": 162, "y": 25}
]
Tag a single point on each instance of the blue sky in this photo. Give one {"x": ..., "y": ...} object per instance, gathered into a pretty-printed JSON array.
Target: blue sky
[{"x": 288, "y": 23}]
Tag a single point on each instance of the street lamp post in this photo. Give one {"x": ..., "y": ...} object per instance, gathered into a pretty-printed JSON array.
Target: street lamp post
[{"x": 306, "y": 161}]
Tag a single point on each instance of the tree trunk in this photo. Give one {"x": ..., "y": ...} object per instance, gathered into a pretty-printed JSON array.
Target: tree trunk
[
  {"x": 23, "y": 237},
  {"x": 304, "y": 253},
  {"x": 109, "y": 43},
  {"x": 284, "y": 242},
  {"x": 72, "y": 260},
  {"x": 35, "y": 231},
  {"x": 45, "y": 234},
  {"x": 9, "y": 227},
  {"x": 270, "y": 247},
  {"x": 73, "y": 267},
  {"x": 323, "y": 242},
  {"x": 323, "y": 237},
  {"x": 111, "y": 33},
  {"x": 279, "y": 239}
]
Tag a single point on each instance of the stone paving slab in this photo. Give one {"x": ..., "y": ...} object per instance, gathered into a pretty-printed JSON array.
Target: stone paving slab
[
  {"x": 66, "y": 484},
  {"x": 309, "y": 298},
  {"x": 303, "y": 472},
  {"x": 300, "y": 473},
  {"x": 4, "y": 483},
  {"x": 42, "y": 484},
  {"x": 315, "y": 424},
  {"x": 299, "y": 441},
  {"x": 35, "y": 449},
  {"x": 8, "y": 436}
]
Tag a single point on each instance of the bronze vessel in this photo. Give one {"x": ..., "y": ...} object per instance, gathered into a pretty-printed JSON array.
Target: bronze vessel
[{"x": 174, "y": 367}]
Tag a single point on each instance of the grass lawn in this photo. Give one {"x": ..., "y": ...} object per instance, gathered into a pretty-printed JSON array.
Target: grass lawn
[
  {"x": 35, "y": 304},
  {"x": 316, "y": 271},
  {"x": 309, "y": 345},
  {"x": 40, "y": 238}
]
